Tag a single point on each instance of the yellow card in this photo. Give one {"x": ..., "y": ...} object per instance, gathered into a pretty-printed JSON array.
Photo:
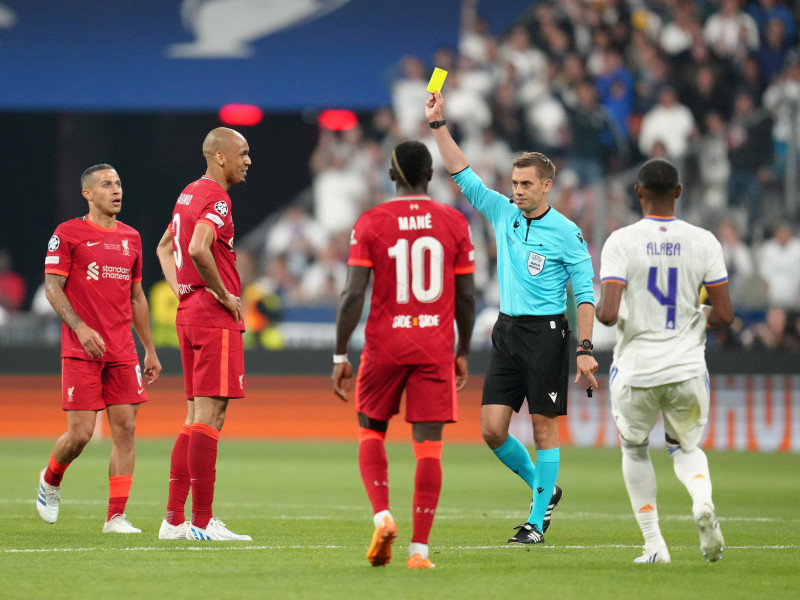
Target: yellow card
[{"x": 437, "y": 80}]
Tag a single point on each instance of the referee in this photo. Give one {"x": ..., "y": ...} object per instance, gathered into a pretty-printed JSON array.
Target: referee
[{"x": 538, "y": 252}]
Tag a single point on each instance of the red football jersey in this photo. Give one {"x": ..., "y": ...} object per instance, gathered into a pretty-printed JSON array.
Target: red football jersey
[
  {"x": 204, "y": 201},
  {"x": 100, "y": 266},
  {"x": 415, "y": 248}
]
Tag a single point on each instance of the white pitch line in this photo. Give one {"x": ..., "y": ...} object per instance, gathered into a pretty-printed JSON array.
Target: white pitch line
[{"x": 214, "y": 548}]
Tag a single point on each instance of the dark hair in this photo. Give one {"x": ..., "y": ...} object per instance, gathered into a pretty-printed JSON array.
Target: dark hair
[
  {"x": 413, "y": 162},
  {"x": 544, "y": 166},
  {"x": 658, "y": 176},
  {"x": 85, "y": 182}
]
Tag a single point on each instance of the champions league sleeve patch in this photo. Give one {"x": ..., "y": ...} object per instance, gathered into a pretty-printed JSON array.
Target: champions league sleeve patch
[
  {"x": 53, "y": 244},
  {"x": 222, "y": 208}
]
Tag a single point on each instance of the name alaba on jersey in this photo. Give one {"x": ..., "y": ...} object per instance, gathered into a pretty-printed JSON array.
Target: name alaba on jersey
[{"x": 415, "y": 248}]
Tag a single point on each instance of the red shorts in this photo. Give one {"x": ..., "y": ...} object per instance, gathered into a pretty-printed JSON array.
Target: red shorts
[
  {"x": 213, "y": 361},
  {"x": 93, "y": 385},
  {"x": 430, "y": 391}
]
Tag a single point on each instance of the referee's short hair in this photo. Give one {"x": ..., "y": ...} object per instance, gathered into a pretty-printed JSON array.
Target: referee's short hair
[
  {"x": 544, "y": 166},
  {"x": 414, "y": 162},
  {"x": 87, "y": 177},
  {"x": 658, "y": 176}
]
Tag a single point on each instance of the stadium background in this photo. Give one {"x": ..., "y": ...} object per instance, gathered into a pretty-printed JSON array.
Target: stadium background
[{"x": 132, "y": 84}]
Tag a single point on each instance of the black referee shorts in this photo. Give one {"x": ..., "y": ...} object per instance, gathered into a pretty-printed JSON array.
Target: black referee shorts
[{"x": 529, "y": 359}]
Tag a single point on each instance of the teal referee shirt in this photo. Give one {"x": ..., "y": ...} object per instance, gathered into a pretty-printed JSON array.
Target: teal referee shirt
[{"x": 534, "y": 262}]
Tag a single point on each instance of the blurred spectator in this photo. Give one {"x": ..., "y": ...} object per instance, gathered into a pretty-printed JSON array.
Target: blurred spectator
[
  {"x": 670, "y": 123},
  {"x": 713, "y": 166},
  {"x": 12, "y": 285},
  {"x": 408, "y": 94},
  {"x": 508, "y": 117},
  {"x": 615, "y": 89},
  {"x": 773, "y": 51},
  {"x": 750, "y": 154},
  {"x": 763, "y": 11},
  {"x": 730, "y": 32},
  {"x": 324, "y": 279},
  {"x": 782, "y": 100},
  {"x": 778, "y": 262},
  {"x": 739, "y": 262},
  {"x": 340, "y": 195},
  {"x": 592, "y": 136},
  {"x": 770, "y": 334},
  {"x": 706, "y": 93},
  {"x": 677, "y": 36}
]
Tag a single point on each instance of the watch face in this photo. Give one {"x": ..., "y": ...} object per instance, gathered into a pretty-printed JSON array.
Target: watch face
[{"x": 586, "y": 344}]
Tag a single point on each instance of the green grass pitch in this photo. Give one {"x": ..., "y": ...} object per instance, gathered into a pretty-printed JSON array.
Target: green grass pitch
[{"x": 304, "y": 506}]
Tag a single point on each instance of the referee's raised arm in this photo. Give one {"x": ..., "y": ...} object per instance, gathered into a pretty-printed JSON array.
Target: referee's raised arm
[{"x": 454, "y": 159}]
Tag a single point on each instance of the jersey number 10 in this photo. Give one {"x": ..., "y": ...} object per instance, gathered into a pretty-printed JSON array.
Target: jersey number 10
[{"x": 422, "y": 247}]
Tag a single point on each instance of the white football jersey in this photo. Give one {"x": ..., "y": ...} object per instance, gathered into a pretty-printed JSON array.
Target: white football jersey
[{"x": 661, "y": 329}]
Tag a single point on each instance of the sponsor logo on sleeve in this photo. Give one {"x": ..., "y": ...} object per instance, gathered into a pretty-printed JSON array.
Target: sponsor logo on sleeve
[
  {"x": 221, "y": 207},
  {"x": 214, "y": 219},
  {"x": 53, "y": 244},
  {"x": 51, "y": 260}
]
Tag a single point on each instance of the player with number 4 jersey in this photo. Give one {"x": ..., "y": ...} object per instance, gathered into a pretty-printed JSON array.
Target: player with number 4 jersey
[{"x": 651, "y": 274}]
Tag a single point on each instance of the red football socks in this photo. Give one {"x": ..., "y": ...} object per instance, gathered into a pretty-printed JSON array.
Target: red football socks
[
  {"x": 179, "y": 483},
  {"x": 119, "y": 491},
  {"x": 374, "y": 467},
  {"x": 427, "y": 486},
  {"x": 202, "y": 461},
  {"x": 55, "y": 471}
]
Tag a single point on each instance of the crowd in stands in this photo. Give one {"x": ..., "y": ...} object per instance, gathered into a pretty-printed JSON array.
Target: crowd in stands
[{"x": 599, "y": 86}]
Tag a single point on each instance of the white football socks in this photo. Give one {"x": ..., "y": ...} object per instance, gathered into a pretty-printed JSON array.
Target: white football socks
[
  {"x": 691, "y": 468},
  {"x": 640, "y": 481}
]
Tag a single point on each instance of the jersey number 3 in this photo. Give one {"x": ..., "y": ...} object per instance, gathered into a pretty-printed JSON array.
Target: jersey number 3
[
  {"x": 670, "y": 299},
  {"x": 422, "y": 247}
]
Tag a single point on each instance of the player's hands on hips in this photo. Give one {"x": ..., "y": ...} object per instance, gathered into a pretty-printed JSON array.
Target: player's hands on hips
[
  {"x": 461, "y": 372},
  {"x": 234, "y": 306},
  {"x": 342, "y": 379},
  {"x": 434, "y": 107},
  {"x": 152, "y": 367},
  {"x": 91, "y": 341},
  {"x": 587, "y": 365}
]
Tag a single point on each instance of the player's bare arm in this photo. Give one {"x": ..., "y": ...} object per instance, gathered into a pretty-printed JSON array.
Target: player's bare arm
[
  {"x": 140, "y": 314},
  {"x": 203, "y": 259},
  {"x": 90, "y": 340},
  {"x": 465, "y": 321},
  {"x": 454, "y": 159},
  {"x": 607, "y": 309},
  {"x": 348, "y": 313},
  {"x": 166, "y": 257},
  {"x": 720, "y": 313},
  {"x": 586, "y": 364}
]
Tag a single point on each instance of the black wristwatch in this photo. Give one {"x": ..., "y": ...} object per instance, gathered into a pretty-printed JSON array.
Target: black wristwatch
[
  {"x": 437, "y": 124},
  {"x": 585, "y": 345}
]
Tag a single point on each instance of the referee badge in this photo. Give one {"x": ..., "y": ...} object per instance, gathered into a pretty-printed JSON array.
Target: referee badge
[{"x": 535, "y": 263}]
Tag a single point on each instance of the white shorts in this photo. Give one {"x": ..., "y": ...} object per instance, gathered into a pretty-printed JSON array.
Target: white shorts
[{"x": 683, "y": 404}]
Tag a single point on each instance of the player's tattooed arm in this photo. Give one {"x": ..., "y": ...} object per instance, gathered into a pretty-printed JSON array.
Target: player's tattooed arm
[
  {"x": 54, "y": 288},
  {"x": 90, "y": 340}
]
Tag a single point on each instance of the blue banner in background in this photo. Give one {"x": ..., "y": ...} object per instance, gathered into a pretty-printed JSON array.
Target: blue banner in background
[{"x": 196, "y": 55}]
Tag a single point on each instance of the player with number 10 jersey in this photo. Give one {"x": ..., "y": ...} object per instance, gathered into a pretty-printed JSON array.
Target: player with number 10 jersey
[{"x": 415, "y": 247}]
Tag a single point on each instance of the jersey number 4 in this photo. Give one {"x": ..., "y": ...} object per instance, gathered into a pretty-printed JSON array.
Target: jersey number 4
[
  {"x": 670, "y": 299},
  {"x": 423, "y": 247}
]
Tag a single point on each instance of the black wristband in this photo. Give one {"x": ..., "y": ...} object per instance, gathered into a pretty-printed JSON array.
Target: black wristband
[
  {"x": 437, "y": 124},
  {"x": 583, "y": 353}
]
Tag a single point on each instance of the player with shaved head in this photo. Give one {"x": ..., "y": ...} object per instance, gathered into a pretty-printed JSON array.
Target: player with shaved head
[{"x": 197, "y": 257}]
